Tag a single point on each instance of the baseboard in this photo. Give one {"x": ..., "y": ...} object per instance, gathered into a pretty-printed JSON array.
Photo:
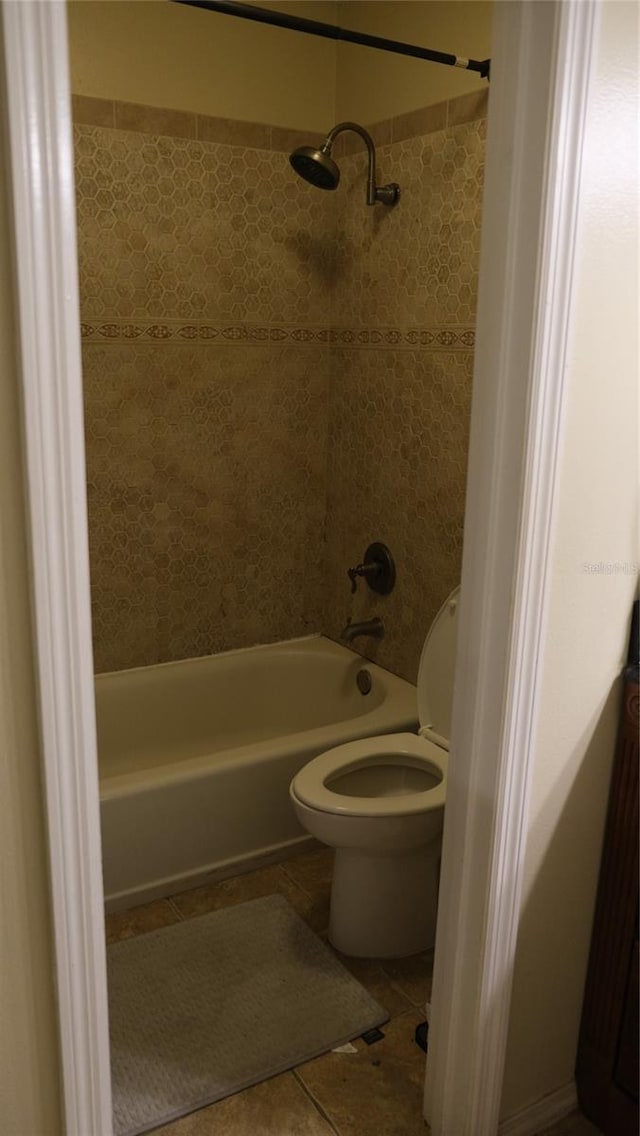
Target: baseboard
[{"x": 542, "y": 1113}]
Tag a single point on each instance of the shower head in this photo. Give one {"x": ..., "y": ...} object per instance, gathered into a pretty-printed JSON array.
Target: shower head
[
  {"x": 319, "y": 169},
  {"x": 316, "y": 166}
]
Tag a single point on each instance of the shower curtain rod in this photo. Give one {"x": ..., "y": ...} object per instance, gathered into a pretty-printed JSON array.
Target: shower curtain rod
[{"x": 332, "y": 31}]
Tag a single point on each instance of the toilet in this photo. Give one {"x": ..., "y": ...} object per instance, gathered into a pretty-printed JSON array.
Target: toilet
[{"x": 379, "y": 802}]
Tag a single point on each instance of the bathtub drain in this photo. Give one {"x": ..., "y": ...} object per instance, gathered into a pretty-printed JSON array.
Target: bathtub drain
[{"x": 364, "y": 681}]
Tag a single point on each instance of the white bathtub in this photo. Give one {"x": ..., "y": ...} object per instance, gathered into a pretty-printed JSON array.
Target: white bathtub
[{"x": 196, "y": 757}]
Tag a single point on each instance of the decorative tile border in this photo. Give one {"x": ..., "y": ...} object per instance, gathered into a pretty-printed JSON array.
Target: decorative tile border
[
  {"x": 90, "y": 111},
  {"x": 450, "y": 338}
]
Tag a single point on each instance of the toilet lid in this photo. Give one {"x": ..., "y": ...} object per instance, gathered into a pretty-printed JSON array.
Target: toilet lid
[{"x": 437, "y": 670}]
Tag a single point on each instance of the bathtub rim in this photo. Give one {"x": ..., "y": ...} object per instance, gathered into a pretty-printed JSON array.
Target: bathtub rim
[
  {"x": 318, "y": 738},
  {"x": 278, "y": 644}
]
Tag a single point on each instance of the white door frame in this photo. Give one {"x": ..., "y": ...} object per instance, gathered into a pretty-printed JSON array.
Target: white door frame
[
  {"x": 541, "y": 70},
  {"x": 542, "y": 57},
  {"x": 46, "y": 285}
]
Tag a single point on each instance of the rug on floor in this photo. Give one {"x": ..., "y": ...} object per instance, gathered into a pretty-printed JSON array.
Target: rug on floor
[{"x": 209, "y": 1006}]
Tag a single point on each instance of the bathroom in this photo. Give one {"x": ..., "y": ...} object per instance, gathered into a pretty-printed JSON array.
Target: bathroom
[{"x": 275, "y": 378}]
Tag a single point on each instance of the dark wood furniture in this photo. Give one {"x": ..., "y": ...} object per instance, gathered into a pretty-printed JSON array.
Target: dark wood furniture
[{"x": 607, "y": 1061}]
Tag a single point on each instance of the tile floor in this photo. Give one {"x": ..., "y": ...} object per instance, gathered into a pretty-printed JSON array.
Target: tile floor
[{"x": 376, "y": 1091}]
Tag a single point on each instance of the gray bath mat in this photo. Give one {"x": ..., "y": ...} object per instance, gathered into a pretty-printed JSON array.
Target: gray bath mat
[{"x": 204, "y": 1008}]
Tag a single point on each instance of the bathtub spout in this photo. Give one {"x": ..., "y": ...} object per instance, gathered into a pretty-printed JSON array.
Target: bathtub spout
[{"x": 373, "y": 627}]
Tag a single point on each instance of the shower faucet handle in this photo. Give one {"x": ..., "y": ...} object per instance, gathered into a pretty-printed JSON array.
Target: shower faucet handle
[
  {"x": 377, "y": 568},
  {"x": 367, "y": 570}
]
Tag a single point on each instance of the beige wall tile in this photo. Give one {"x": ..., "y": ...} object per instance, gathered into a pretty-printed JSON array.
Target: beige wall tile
[
  {"x": 183, "y": 229},
  {"x": 350, "y": 143},
  {"x": 93, "y": 112},
  {"x": 240, "y": 459},
  {"x": 287, "y": 140},
  {"x": 416, "y": 264},
  {"x": 397, "y": 464},
  {"x": 233, "y": 133},
  {"x": 206, "y": 469},
  {"x": 468, "y": 108},
  {"x": 90, "y": 111},
  {"x": 155, "y": 120},
  {"x": 415, "y": 123}
]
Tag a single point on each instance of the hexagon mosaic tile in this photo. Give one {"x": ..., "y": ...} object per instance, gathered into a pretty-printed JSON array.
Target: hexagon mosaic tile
[
  {"x": 190, "y": 230},
  {"x": 206, "y": 473},
  {"x": 416, "y": 264},
  {"x": 274, "y": 377},
  {"x": 398, "y": 442}
]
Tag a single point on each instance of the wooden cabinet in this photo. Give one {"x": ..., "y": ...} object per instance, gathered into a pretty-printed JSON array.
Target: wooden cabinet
[{"x": 607, "y": 1061}]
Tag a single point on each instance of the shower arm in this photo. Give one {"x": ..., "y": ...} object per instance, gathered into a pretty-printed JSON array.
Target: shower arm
[{"x": 387, "y": 194}]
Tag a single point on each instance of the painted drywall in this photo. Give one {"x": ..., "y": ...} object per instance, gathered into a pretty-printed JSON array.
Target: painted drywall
[
  {"x": 373, "y": 85},
  {"x": 29, "y": 1096},
  {"x": 164, "y": 54},
  {"x": 169, "y": 55},
  {"x": 594, "y": 580}
]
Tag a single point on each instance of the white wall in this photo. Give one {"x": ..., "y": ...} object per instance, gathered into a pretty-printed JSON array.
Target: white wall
[{"x": 596, "y": 521}]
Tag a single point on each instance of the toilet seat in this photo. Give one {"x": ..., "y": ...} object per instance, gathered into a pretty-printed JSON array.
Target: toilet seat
[
  {"x": 310, "y": 784},
  {"x": 426, "y": 750}
]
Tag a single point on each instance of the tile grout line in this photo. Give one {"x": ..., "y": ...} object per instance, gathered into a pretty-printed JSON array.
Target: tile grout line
[
  {"x": 420, "y": 1006},
  {"x": 174, "y": 907},
  {"x": 398, "y": 989},
  {"x": 316, "y": 1103},
  {"x": 410, "y": 1004},
  {"x": 293, "y": 881},
  {"x": 307, "y": 894}
]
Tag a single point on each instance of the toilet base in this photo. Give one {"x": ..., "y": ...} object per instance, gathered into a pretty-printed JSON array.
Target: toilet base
[{"x": 384, "y": 906}]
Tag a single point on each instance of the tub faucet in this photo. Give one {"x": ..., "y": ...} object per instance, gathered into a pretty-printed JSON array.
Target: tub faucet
[{"x": 373, "y": 627}]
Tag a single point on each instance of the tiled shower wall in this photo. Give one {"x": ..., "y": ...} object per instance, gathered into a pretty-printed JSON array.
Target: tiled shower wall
[
  {"x": 202, "y": 267},
  {"x": 406, "y": 286},
  {"x": 273, "y": 378}
]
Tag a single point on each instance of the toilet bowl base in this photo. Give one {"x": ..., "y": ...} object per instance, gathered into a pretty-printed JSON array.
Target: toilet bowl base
[{"x": 384, "y": 906}]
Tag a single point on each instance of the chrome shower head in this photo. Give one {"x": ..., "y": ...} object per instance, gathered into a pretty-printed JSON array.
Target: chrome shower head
[
  {"x": 319, "y": 169},
  {"x": 316, "y": 166}
]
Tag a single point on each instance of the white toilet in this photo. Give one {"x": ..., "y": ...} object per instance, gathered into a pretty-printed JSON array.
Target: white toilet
[{"x": 379, "y": 802}]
